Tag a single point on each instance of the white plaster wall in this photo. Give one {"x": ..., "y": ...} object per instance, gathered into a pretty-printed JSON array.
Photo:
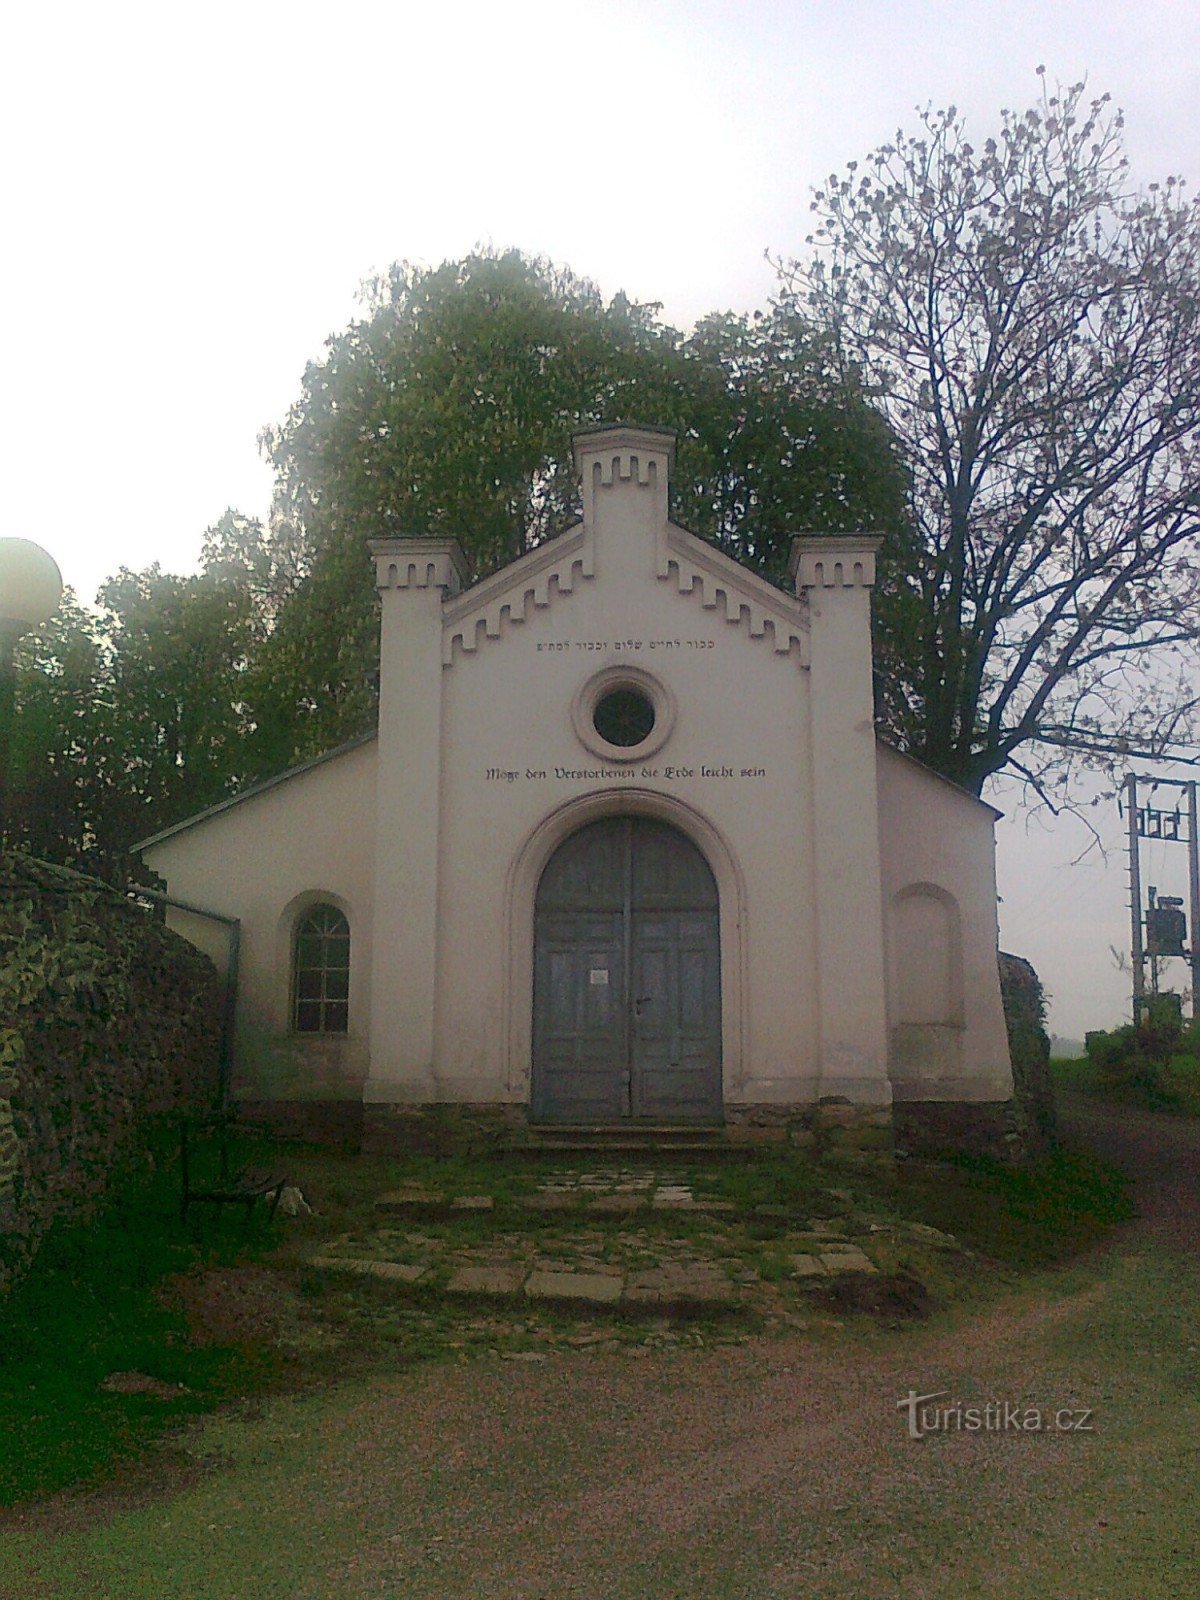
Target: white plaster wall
[
  {"x": 306, "y": 839},
  {"x": 741, "y": 714},
  {"x": 481, "y": 770},
  {"x": 935, "y": 838}
]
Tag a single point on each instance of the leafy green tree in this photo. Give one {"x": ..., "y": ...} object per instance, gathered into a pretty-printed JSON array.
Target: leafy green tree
[
  {"x": 60, "y": 740},
  {"x": 266, "y": 562},
  {"x": 449, "y": 409},
  {"x": 130, "y": 718},
  {"x": 1030, "y": 329},
  {"x": 178, "y": 655}
]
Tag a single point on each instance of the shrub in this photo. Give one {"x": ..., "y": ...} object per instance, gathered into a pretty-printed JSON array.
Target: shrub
[{"x": 1151, "y": 1063}]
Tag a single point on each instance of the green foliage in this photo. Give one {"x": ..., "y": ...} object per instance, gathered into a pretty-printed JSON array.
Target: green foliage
[
  {"x": 1029, "y": 1049},
  {"x": 449, "y": 409},
  {"x": 178, "y": 652},
  {"x": 1155, "y": 1064},
  {"x": 109, "y": 1021},
  {"x": 62, "y": 737},
  {"x": 1026, "y": 1214},
  {"x": 128, "y": 720},
  {"x": 1030, "y": 328},
  {"x": 93, "y": 1306}
]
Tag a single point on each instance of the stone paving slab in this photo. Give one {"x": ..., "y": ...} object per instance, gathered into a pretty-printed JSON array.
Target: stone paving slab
[
  {"x": 847, "y": 1260},
  {"x": 486, "y": 1280},
  {"x": 933, "y": 1236},
  {"x": 609, "y": 1191},
  {"x": 573, "y": 1264},
  {"x": 390, "y": 1271},
  {"x": 695, "y": 1283},
  {"x": 596, "y": 1288},
  {"x": 400, "y": 1200},
  {"x": 817, "y": 1241},
  {"x": 692, "y": 1285}
]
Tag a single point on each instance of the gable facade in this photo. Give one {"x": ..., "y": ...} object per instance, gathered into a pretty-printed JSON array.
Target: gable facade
[{"x": 625, "y": 848}]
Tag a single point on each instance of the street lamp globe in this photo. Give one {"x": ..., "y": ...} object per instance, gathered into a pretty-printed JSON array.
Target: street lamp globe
[{"x": 30, "y": 586}]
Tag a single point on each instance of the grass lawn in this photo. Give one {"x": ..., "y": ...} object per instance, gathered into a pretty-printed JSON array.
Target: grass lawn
[{"x": 1172, "y": 1088}]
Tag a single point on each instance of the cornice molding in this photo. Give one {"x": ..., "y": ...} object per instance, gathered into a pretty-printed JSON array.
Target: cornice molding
[
  {"x": 834, "y": 560},
  {"x": 402, "y": 563},
  {"x": 516, "y": 591},
  {"x": 723, "y": 584},
  {"x": 696, "y": 569}
]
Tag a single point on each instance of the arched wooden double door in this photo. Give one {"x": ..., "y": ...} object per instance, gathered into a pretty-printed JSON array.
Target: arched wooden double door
[{"x": 627, "y": 978}]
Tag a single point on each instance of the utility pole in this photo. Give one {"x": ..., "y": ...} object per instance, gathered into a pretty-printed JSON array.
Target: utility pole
[
  {"x": 1155, "y": 822},
  {"x": 1135, "y": 904}
]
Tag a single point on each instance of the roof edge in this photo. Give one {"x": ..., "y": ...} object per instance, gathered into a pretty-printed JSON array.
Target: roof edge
[
  {"x": 254, "y": 790},
  {"x": 931, "y": 772}
]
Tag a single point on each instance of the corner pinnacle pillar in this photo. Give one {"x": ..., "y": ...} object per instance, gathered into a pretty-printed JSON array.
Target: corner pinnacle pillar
[
  {"x": 414, "y": 577},
  {"x": 836, "y": 573}
]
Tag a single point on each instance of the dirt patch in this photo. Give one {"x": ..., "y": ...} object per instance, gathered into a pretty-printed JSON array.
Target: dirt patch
[
  {"x": 890, "y": 1296},
  {"x": 250, "y": 1305},
  {"x": 141, "y": 1383}
]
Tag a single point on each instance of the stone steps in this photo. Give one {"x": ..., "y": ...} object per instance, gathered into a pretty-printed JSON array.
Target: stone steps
[{"x": 653, "y": 1139}]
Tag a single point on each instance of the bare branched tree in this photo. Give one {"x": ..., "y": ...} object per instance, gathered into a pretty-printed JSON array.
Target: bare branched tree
[{"x": 1030, "y": 327}]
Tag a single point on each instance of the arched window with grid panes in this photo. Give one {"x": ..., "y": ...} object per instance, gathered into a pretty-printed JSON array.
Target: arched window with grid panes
[{"x": 321, "y": 971}]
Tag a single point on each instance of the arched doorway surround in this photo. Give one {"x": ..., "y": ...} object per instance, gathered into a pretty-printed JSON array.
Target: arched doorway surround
[{"x": 700, "y": 856}]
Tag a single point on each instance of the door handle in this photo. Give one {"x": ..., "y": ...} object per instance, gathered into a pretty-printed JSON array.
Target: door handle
[{"x": 639, "y": 1003}]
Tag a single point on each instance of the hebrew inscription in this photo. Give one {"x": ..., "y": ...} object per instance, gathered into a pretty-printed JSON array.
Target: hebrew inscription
[{"x": 553, "y": 647}]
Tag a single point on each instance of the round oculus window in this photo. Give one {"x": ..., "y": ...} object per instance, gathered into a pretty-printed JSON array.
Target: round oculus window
[
  {"x": 623, "y": 713},
  {"x": 624, "y": 717}
]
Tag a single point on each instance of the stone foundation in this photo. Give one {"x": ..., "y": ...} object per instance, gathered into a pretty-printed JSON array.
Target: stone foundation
[
  {"x": 442, "y": 1130},
  {"x": 833, "y": 1125},
  {"x": 328, "y": 1122},
  {"x": 834, "y": 1129},
  {"x": 935, "y": 1128}
]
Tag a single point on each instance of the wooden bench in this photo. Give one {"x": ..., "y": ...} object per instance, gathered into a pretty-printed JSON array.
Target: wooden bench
[{"x": 232, "y": 1184}]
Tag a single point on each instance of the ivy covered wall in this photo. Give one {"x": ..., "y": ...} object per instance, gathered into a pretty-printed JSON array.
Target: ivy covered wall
[
  {"x": 108, "y": 1023},
  {"x": 1029, "y": 1047}
]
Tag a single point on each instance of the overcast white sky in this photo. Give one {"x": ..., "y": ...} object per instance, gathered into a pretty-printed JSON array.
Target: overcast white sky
[{"x": 192, "y": 196}]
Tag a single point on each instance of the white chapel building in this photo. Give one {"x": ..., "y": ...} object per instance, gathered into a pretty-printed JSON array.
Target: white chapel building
[{"x": 624, "y": 851}]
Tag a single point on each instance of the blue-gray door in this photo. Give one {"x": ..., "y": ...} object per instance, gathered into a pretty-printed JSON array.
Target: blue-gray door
[{"x": 627, "y": 978}]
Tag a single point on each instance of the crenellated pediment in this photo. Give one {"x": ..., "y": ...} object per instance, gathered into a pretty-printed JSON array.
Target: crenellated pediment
[
  {"x": 510, "y": 596},
  {"x": 683, "y": 563}
]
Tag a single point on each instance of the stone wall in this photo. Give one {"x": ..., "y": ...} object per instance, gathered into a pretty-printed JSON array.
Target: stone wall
[
  {"x": 108, "y": 1022},
  {"x": 1029, "y": 1047},
  {"x": 443, "y": 1129},
  {"x": 833, "y": 1126},
  {"x": 939, "y": 1128}
]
